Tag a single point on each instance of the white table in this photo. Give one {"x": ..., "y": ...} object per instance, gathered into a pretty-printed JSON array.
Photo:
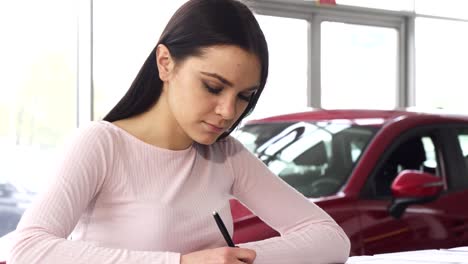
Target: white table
[{"x": 432, "y": 256}]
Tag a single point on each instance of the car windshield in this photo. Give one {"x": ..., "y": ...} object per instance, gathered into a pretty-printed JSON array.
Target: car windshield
[{"x": 316, "y": 158}]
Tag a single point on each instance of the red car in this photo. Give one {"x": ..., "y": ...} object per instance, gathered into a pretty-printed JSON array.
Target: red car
[{"x": 393, "y": 180}]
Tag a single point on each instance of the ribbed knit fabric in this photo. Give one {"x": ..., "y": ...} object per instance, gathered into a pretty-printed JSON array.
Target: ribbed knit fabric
[{"x": 116, "y": 199}]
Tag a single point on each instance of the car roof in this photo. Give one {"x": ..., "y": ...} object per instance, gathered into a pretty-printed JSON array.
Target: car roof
[{"x": 367, "y": 117}]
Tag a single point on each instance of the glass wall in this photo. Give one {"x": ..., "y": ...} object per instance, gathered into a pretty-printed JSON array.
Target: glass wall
[
  {"x": 441, "y": 64},
  {"x": 124, "y": 32},
  {"x": 38, "y": 55},
  {"x": 358, "y": 66},
  {"x": 286, "y": 88},
  {"x": 396, "y": 5},
  {"x": 446, "y": 8}
]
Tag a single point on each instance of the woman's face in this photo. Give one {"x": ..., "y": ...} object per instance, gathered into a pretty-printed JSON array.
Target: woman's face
[{"x": 207, "y": 94}]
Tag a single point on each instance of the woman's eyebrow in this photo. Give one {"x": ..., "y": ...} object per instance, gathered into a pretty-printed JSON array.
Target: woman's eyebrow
[
  {"x": 252, "y": 89},
  {"x": 225, "y": 81},
  {"x": 219, "y": 77}
]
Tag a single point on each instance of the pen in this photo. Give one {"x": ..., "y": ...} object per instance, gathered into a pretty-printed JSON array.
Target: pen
[{"x": 223, "y": 229}]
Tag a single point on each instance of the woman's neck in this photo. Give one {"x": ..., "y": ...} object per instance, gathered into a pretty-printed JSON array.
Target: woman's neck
[{"x": 156, "y": 127}]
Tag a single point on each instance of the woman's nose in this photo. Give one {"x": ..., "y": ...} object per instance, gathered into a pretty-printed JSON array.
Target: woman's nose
[{"x": 226, "y": 107}]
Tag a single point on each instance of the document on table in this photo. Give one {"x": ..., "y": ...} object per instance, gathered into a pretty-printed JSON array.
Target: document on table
[{"x": 442, "y": 256}]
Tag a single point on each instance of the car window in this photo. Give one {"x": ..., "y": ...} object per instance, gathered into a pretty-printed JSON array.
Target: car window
[
  {"x": 463, "y": 141},
  {"x": 415, "y": 153},
  {"x": 315, "y": 158},
  {"x": 457, "y": 159},
  {"x": 253, "y": 136},
  {"x": 430, "y": 164}
]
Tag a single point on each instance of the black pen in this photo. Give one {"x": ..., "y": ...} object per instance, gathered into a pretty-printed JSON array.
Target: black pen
[{"x": 223, "y": 229}]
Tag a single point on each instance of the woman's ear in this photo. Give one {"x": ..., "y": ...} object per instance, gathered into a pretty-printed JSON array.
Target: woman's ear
[{"x": 164, "y": 61}]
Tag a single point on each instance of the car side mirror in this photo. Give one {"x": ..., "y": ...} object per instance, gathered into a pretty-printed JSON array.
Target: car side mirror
[
  {"x": 416, "y": 184},
  {"x": 413, "y": 187}
]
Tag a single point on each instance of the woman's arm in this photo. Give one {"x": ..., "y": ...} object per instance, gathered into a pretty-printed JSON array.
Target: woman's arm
[
  {"x": 308, "y": 234},
  {"x": 41, "y": 234}
]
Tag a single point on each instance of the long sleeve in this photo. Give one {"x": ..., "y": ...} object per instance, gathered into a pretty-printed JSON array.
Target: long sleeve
[
  {"x": 41, "y": 236},
  {"x": 308, "y": 234},
  {"x": 125, "y": 201}
]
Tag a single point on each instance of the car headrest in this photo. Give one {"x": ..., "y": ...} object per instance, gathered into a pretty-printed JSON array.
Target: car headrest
[
  {"x": 411, "y": 154},
  {"x": 316, "y": 156}
]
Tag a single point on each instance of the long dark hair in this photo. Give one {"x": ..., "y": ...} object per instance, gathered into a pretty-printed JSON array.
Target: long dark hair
[{"x": 196, "y": 25}]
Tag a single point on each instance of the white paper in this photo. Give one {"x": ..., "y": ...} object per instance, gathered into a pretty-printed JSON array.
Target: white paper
[{"x": 457, "y": 255}]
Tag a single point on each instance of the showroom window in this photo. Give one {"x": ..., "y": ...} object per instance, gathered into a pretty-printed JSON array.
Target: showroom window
[
  {"x": 38, "y": 87},
  {"x": 359, "y": 66},
  {"x": 441, "y": 64},
  {"x": 124, "y": 34},
  {"x": 396, "y": 5},
  {"x": 447, "y": 8},
  {"x": 37, "y": 97},
  {"x": 286, "y": 87}
]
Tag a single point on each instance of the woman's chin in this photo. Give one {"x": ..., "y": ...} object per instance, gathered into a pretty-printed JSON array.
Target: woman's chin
[{"x": 206, "y": 140}]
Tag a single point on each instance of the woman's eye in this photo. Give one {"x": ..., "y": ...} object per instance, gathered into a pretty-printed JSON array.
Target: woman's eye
[
  {"x": 215, "y": 90},
  {"x": 245, "y": 97},
  {"x": 212, "y": 89}
]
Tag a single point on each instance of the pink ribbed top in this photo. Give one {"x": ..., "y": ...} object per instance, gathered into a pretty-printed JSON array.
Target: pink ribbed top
[{"x": 116, "y": 199}]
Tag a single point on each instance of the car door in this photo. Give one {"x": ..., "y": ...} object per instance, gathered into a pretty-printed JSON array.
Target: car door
[
  {"x": 455, "y": 200},
  {"x": 425, "y": 225}
]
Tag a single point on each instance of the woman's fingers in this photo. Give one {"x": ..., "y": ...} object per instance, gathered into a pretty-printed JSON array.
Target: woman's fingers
[
  {"x": 246, "y": 255},
  {"x": 224, "y": 255}
]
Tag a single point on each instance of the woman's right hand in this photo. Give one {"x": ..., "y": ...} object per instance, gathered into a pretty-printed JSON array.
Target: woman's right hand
[{"x": 223, "y": 255}]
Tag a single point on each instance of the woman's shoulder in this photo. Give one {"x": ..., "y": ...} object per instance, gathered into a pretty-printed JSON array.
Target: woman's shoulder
[
  {"x": 98, "y": 127},
  {"x": 229, "y": 145},
  {"x": 94, "y": 132}
]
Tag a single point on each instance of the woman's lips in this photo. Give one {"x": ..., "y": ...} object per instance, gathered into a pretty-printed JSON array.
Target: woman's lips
[{"x": 214, "y": 128}]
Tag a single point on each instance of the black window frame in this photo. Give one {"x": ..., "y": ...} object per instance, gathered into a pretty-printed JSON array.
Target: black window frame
[{"x": 432, "y": 131}]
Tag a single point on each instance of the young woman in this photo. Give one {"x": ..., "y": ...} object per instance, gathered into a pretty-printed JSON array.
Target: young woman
[{"x": 140, "y": 186}]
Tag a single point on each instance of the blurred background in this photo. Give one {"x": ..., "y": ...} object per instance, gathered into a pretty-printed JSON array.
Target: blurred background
[{"x": 66, "y": 62}]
